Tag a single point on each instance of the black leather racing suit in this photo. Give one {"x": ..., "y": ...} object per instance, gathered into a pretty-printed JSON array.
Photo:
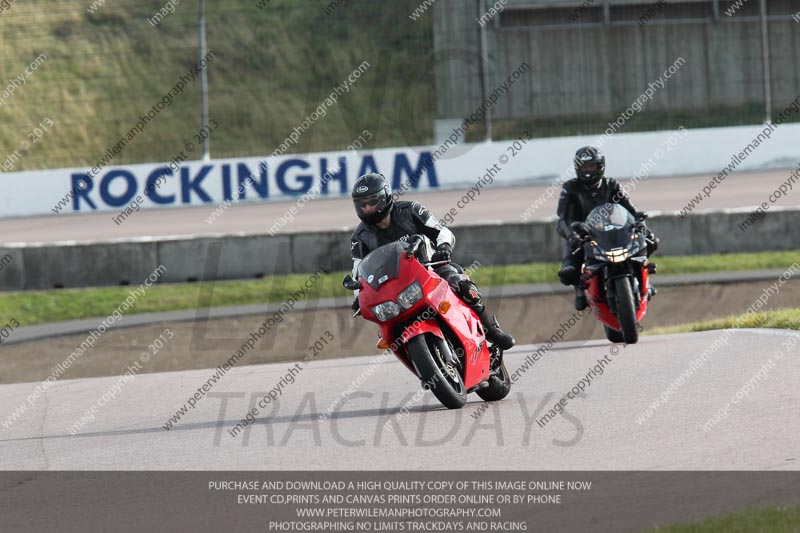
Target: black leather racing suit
[
  {"x": 575, "y": 204},
  {"x": 407, "y": 219}
]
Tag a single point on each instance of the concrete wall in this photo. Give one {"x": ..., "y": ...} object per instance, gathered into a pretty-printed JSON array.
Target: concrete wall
[
  {"x": 36, "y": 267},
  {"x": 591, "y": 67}
]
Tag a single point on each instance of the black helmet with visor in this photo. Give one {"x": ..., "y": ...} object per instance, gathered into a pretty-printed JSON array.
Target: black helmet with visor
[{"x": 372, "y": 198}]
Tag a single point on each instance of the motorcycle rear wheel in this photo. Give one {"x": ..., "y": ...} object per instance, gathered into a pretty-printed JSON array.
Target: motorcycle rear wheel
[
  {"x": 429, "y": 355},
  {"x": 499, "y": 385}
]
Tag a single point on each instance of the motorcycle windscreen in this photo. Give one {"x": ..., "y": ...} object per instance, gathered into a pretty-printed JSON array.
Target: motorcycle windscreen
[
  {"x": 382, "y": 264},
  {"x": 610, "y": 225}
]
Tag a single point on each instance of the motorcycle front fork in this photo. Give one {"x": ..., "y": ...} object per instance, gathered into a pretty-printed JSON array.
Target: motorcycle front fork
[{"x": 610, "y": 295}]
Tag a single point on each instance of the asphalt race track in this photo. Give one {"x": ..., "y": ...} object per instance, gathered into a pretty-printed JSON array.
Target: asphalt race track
[
  {"x": 495, "y": 204},
  {"x": 369, "y": 429}
]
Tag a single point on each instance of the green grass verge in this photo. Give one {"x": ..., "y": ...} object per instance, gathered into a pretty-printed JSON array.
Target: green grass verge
[
  {"x": 692, "y": 264},
  {"x": 772, "y": 520},
  {"x": 779, "y": 319},
  {"x": 36, "y": 307}
]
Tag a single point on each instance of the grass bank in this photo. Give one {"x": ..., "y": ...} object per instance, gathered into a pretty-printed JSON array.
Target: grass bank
[
  {"x": 779, "y": 319},
  {"x": 36, "y": 307},
  {"x": 772, "y": 519}
]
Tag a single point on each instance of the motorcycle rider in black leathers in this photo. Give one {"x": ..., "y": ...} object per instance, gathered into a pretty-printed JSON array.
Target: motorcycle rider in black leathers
[
  {"x": 384, "y": 221},
  {"x": 578, "y": 197}
]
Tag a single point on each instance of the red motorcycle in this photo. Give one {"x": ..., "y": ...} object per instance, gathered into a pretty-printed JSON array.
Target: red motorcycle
[
  {"x": 435, "y": 335},
  {"x": 616, "y": 270}
]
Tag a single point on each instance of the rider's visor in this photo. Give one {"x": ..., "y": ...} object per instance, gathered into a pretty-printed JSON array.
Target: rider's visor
[{"x": 368, "y": 201}]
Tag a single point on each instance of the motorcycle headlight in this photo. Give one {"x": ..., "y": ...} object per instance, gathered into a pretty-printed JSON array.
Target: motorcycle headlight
[
  {"x": 410, "y": 295},
  {"x": 386, "y": 310},
  {"x": 617, "y": 255}
]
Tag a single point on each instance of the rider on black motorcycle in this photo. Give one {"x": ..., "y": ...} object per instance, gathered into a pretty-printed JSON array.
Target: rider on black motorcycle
[
  {"x": 384, "y": 221},
  {"x": 578, "y": 197}
]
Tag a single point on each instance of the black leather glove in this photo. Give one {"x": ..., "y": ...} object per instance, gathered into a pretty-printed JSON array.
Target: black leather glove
[
  {"x": 640, "y": 222},
  {"x": 355, "y": 306},
  {"x": 640, "y": 215},
  {"x": 414, "y": 243},
  {"x": 444, "y": 252},
  {"x": 652, "y": 244},
  {"x": 575, "y": 242}
]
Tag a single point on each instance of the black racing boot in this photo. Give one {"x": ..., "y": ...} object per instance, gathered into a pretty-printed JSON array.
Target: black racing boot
[
  {"x": 494, "y": 334},
  {"x": 580, "y": 299},
  {"x": 651, "y": 290}
]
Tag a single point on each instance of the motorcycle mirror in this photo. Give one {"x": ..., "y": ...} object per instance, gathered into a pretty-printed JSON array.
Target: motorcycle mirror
[
  {"x": 415, "y": 242},
  {"x": 350, "y": 284}
]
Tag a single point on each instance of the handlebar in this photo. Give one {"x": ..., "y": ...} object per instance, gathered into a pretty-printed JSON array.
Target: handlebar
[{"x": 435, "y": 263}]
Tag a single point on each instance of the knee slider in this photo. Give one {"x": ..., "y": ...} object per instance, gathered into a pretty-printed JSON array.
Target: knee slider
[
  {"x": 468, "y": 291},
  {"x": 569, "y": 275}
]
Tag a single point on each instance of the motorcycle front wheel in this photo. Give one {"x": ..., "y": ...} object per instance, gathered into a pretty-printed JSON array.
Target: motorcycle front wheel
[
  {"x": 433, "y": 361},
  {"x": 626, "y": 310},
  {"x": 613, "y": 335}
]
